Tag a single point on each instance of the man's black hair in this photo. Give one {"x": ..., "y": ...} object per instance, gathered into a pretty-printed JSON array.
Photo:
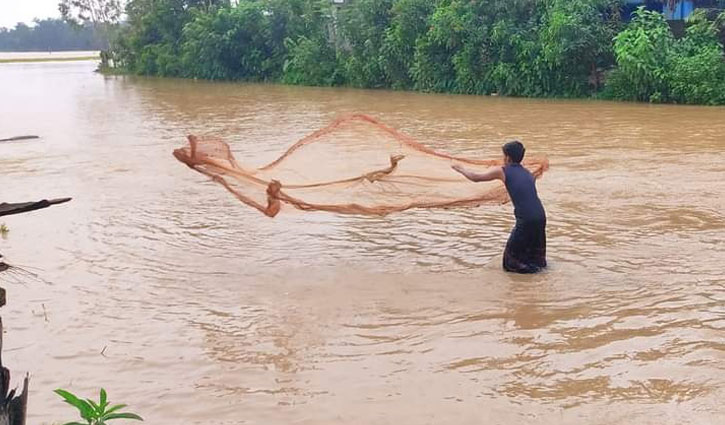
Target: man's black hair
[{"x": 514, "y": 150}]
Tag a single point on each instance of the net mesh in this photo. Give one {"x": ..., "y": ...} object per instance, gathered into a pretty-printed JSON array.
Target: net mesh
[{"x": 356, "y": 165}]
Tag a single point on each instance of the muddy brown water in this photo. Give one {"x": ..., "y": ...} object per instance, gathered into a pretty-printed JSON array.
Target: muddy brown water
[{"x": 195, "y": 309}]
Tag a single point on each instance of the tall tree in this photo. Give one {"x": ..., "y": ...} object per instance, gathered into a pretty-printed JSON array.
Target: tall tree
[{"x": 102, "y": 14}]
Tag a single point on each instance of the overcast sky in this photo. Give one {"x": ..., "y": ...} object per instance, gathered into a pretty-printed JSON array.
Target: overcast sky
[{"x": 14, "y": 11}]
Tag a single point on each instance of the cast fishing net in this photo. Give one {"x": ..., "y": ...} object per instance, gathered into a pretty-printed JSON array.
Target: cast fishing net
[{"x": 356, "y": 165}]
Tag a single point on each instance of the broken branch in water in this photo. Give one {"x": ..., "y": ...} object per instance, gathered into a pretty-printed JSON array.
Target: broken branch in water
[
  {"x": 17, "y": 275},
  {"x": 9, "y": 209},
  {"x": 16, "y": 138}
]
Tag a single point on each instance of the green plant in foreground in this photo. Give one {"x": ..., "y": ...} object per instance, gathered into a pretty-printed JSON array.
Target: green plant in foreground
[{"x": 95, "y": 413}]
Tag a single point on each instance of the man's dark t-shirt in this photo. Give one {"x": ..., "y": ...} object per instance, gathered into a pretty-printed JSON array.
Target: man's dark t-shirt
[{"x": 526, "y": 248}]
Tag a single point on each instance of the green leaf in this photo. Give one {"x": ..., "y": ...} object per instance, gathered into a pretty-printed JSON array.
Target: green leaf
[
  {"x": 85, "y": 409},
  {"x": 74, "y": 423},
  {"x": 114, "y": 408},
  {"x": 68, "y": 397},
  {"x": 104, "y": 398},
  {"x": 95, "y": 406},
  {"x": 122, "y": 416}
]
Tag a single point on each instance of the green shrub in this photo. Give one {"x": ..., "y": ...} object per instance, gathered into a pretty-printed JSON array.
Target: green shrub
[
  {"x": 654, "y": 67},
  {"x": 408, "y": 22},
  {"x": 363, "y": 24},
  {"x": 93, "y": 413},
  {"x": 643, "y": 51},
  {"x": 310, "y": 62},
  {"x": 232, "y": 43}
]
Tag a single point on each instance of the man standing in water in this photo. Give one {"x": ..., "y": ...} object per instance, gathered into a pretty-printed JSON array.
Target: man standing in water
[{"x": 526, "y": 248}]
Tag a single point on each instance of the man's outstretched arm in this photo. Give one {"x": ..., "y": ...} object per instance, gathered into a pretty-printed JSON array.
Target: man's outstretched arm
[{"x": 493, "y": 173}]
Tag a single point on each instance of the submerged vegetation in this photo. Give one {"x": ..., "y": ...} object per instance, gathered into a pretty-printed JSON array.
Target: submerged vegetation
[{"x": 547, "y": 48}]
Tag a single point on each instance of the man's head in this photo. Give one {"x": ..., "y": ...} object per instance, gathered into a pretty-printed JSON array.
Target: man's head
[{"x": 514, "y": 152}]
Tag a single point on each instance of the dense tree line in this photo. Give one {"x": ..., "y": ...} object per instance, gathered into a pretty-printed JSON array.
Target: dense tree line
[
  {"x": 537, "y": 48},
  {"x": 48, "y": 34}
]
